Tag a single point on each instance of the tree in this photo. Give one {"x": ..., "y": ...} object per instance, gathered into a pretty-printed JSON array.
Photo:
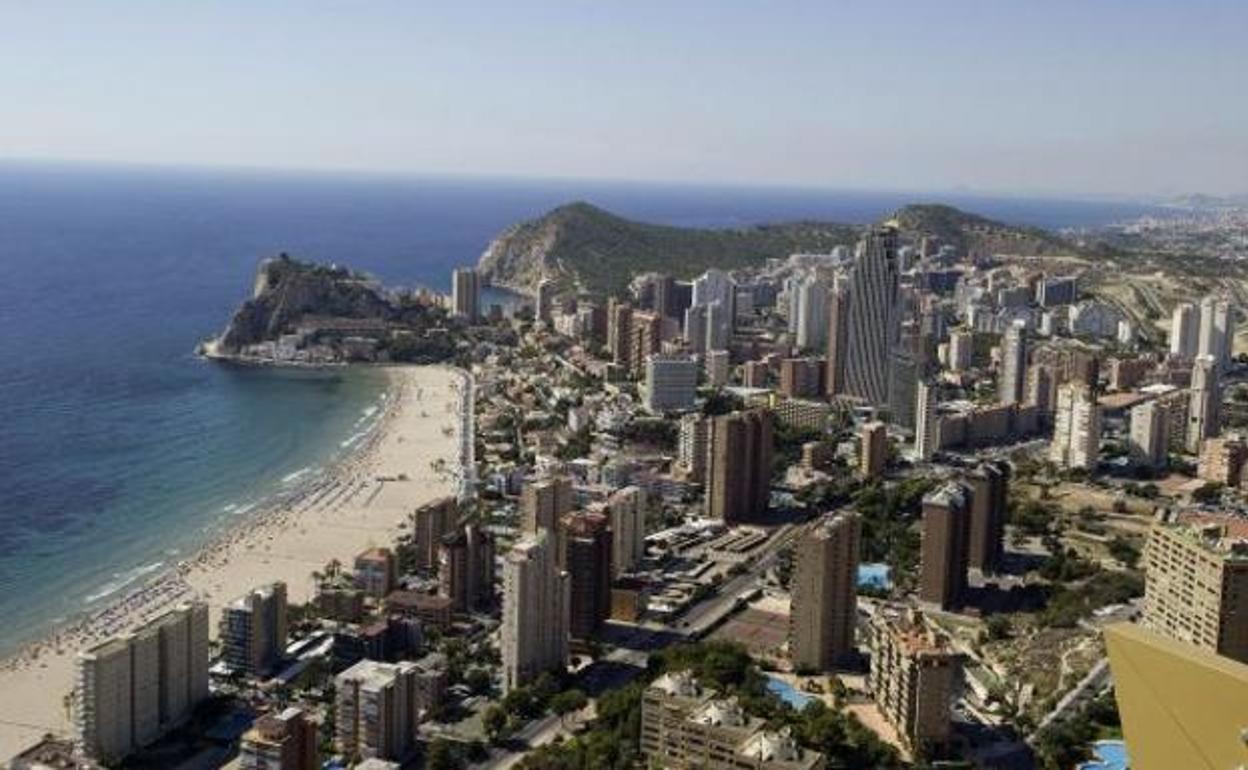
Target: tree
[
  {"x": 478, "y": 680},
  {"x": 567, "y": 702},
  {"x": 441, "y": 756},
  {"x": 494, "y": 722}
]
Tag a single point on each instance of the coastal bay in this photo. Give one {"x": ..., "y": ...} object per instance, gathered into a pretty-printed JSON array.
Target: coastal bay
[{"x": 410, "y": 456}]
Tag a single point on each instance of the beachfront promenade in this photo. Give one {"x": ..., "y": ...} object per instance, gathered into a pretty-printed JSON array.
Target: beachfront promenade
[{"x": 416, "y": 453}]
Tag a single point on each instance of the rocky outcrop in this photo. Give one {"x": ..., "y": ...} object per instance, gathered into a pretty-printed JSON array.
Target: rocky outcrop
[{"x": 287, "y": 290}]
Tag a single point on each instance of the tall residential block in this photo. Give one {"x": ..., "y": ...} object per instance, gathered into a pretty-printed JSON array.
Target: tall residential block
[
  {"x": 811, "y": 313},
  {"x": 466, "y": 568},
  {"x": 586, "y": 543},
  {"x": 838, "y": 339},
  {"x": 716, "y": 363},
  {"x": 376, "y": 572},
  {"x": 253, "y": 630},
  {"x": 1076, "y": 428},
  {"x": 961, "y": 349},
  {"x": 534, "y": 635},
  {"x": 619, "y": 332},
  {"x": 1196, "y": 583},
  {"x": 824, "y": 591},
  {"x": 872, "y": 449},
  {"x": 1013, "y": 372},
  {"x": 1216, "y": 334},
  {"x": 1204, "y": 414},
  {"x": 926, "y": 419},
  {"x": 544, "y": 300},
  {"x": 543, "y": 502},
  {"x": 429, "y": 523},
  {"x": 874, "y": 320},
  {"x": 287, "y": 740},
  {"x": 740, "y": 454},
  {"x": 130, "y": 690},
  {"x": 1149, "y": 440},
  {"x": 944, "y": 556},
  {"x": 627, "y": 511},
  {"x": 916, "y": 677},
  {"x": 693, "y": 445},
  {"x": 645, "y": 338},
  {"x": 376, "y": 710},
  {"x": 671, "y": 383},
  {"x": 989, "y": 487},
  {"x": 802, "y": 377},
  {"x": 466, "y": 294},
  {"x": 1185, "y": 331}
]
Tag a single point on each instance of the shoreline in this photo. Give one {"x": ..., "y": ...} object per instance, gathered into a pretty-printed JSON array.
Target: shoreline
[{"x": 362, "y": 498}]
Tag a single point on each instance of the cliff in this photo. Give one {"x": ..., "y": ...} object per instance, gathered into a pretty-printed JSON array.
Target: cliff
[
  {"x": 584, "y": 247},
  {"x": 287, "y": 290}
]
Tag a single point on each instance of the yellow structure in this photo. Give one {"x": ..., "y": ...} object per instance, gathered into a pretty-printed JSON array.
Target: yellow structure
[{"x": 1181, "y": 706}]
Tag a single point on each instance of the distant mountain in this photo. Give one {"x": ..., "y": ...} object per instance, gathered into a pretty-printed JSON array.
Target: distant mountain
[
  {"x": 580, "y": 245},
  {"x": 972, "y": 233}
]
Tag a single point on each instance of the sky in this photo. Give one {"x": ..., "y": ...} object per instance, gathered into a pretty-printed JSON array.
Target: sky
[{"x": 1113, "y": 97}]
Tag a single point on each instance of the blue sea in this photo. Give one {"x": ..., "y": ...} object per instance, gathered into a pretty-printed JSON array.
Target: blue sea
[{"x": 120, "y": 451}]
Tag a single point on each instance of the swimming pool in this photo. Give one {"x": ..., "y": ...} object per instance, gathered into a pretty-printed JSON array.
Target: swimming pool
[
  {"x": 1110, "y": 755},
  {"x": 788, "y": 693},
  {"x": 874, "y": 575}
]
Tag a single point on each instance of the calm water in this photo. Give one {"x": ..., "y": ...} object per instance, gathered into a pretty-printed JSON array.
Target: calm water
[{"x": 119, "y": 450}]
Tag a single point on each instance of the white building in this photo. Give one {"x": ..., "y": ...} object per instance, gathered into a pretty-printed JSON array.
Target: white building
[
  {"x": 717, "y": 365},
  {"x": 1204, "y": 410},
  {"x": 534, "y": 634},
  {"x": 1076, "y": 429},
  {"x": 961, "y": 349},
  {"x": 1185, "y": 331},
  {"x": 466, "y": 293},
  {"x": 1215, "y": 330},
  {"x": 1150, "y": 435},
  {"x": 626, "y": 509},
  {"x": 376, "y": 710}
]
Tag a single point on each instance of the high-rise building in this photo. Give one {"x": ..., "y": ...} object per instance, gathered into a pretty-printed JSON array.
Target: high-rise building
[
  {"x": 586, "y": 543},
  {"x": 873, "y": 322},
  {"x": 1076, "y": 429},
  {"x": 1204, "y": 413},
  {"x": 645, "y": 337},
  {"x": 620, "y": 332},
  {"x": 989, "y": 486},
  {"x": 801, "y": 377},
  {"x": 376, "y": 572},
  {"x": 755, "y": 374},
  {"x": 1216, "y": 334},
  {"x": 534, "y": 636},
  {"x": 671, "y": 383},
  {"x": 872, "y": 449},
  {"x": 252, "y": 630},
  {"x": 1196, "y": 583},
  {"x": 716, "y": 286},
  {"x": 466, "y": 294},
  {"x": 429, "y": 523},
  {"x": 1222, "y": 461},
  {"x": 131, "y": 689},
  {"x": 961, "y": 349},
  {"x": 944, "y": 556},
  {"x": 376, "y": 712},
  {"x": 916, "y": 677},
  {"x": 695, "y": 328},
  {"x": 543, "y": 502},
  {"x": 284, "y": 741},
  {"x": 544, "y": 299},
  {"x": 1013, "y": 364},
  {"x": 717, "y": 363},
  {"x": 825, "y": 593},
  {"x": 627, "y": 511},
  {"x": 1185, "y": 331},
  {"x": 904, "y": 372},
  {"x": 694, "y": 442},
  {"x": 812, "y": 315},
  {"x": 926, "y": 430},
  {"x": 466, "y": 568},
  {"x": 741, "y": 447},
  {"x": 838, "y": 338},
  {"x": 1149, "y": 440},
  {"x": 718, "y": 326}
]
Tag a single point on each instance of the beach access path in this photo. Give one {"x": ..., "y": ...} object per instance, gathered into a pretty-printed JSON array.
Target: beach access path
[{"x": 357, "y": 503}]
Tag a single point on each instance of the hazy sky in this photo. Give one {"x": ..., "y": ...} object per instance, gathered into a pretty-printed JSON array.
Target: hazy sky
[{"x": 1087, "y": 96}]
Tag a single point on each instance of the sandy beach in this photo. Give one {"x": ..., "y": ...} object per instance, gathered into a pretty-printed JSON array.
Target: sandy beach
[{"x": 364, "y": 500}]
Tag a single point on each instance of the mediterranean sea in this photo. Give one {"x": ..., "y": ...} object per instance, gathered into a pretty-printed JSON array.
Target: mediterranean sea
[{"x": 120, "y": 451}]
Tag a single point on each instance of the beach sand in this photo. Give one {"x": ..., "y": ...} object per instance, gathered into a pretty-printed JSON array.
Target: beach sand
[{"x": 356, "y": 503}]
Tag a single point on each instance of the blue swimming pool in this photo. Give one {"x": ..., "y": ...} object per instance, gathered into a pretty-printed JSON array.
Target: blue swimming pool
[
  {"x": 875, "y": 576},
  {"x": 1110, "y": 755},
  {"x": 788, "y": 693}
]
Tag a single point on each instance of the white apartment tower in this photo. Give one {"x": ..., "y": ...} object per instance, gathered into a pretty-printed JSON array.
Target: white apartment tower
[
  {"x": 1215, "y": 330},
  {"x": 1013, "y": 364},
  {"x": 1185, "y": 331},
  {"x": 132, "y": 689},
  {"x": 1076, "y": 429},
  {"x": 1150, "y": 435},
  {"x": 1204, "y": 411},
  {"x": 466, "y": 293},
  {"x": 535, "y": 611},
  {"x": 626, "y": 509}
]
